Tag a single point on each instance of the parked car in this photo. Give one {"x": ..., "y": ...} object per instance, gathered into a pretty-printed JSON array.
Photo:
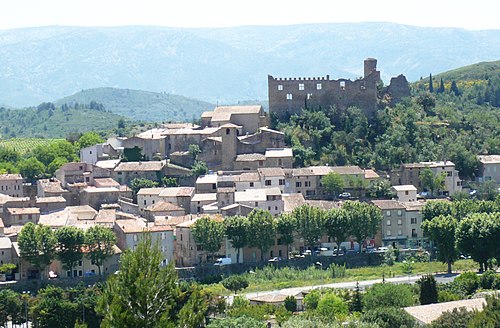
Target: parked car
[
  {"x": 345, "y": 195},
  {"x": 275, "y": 259},
  {"x": 223, "y": 261}
]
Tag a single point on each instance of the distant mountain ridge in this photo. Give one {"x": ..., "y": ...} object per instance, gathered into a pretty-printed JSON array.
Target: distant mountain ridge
[
  {"x": 141, "y": 105},
  {"x": 222, "y": 65}
]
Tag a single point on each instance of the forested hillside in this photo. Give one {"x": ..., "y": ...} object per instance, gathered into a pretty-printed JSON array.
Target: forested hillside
[
  {"x": 49, "y": 121},
  {"x": 141, "y": 105},
  {"x": 453, "y": 122}
]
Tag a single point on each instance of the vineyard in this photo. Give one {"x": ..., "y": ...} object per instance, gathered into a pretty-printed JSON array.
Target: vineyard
[{"x": 23, "y": 145}]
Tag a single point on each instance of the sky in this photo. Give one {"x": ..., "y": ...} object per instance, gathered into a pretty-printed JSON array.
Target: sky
[{"x": 467, "y": 14}]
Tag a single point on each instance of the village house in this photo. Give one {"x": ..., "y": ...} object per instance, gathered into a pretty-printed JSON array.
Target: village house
[
  {"x": 489, "y": 168},
  {"x": 50, "y": 204},
  {"x": 269, "y": 199},
  {"x": 51, "y": 188},
  {"x": 22, "y": 215},
  {"x": 11, "y": 185},
  {"x": 125, "y": 172},
  {"x": 163, "y": 208},
  {"x": 180, "y": 196},
  {"x": 409, "y": 174},
  {"x": 251, "y": 118}
]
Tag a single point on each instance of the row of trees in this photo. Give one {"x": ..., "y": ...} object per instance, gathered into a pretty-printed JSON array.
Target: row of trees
[
  {"x": 39, "y": 245},
  {"x": 260, "y": 229},
  {"x": 468, "y": 227}
]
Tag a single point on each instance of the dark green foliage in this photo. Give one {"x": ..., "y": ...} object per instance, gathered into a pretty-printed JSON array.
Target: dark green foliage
[
  {"x": 290, "y": 303},
  {"x": 239, "y": 322},
  {"x": 235, "y": 283},
  {"x": 389, "y": 318},
  {"x": 428, "y": 290},
  {"x": 364, "y": 220},
  {"x": 309, "y": 223},
  {"x": 139, "y": 183},
  {"x": 169, "y": 182},
  {"x": 37, "y": 244},
  {"x": 330, "y": 305},
  {"x": 431, "y": 84},
  {"x": 199, "y": 168},
  {"x": 70, "y": 241},
  {"x": 490, "y": 316},
  {"x": 441, "y": 230},
  {"x": 285, "y": 227},
  {"x": 458, "y": 318},
  {"x": 333, "y": 183},
  {"x": 31, "y": 168},
  {"x": 467, "y": 282},
  {"x": 11, "y": 307},
  {"x": 487, "y": 279},
  {"x": 237, "y": 231},
  {"x": 89, "y": 139},
  {"x": 388, "y": 295},
  {"x": 262, "y": 228},
  {"x": 337, "y": 222},
  {"x": 54, "y": 309},
  {"x": 100, "y": 242},
  {"x": 133, "y": 154},
  {"x": 208, "y": 234},
  {"x": 357, "y": 300}
]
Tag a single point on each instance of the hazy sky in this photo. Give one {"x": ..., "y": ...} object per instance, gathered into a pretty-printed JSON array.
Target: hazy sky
[{"x": 468, "y": 14}]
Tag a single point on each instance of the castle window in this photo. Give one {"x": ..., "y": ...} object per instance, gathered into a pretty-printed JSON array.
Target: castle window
[
  {"x": 280, "y": 87},
  {"x": 228, "y": 131},
  {"x": 318, "y": 86},
  {"x": 288, "y": 96},
  {"x": 301, "y": 86},
  {"x": 342, "y": 85},
  {"x": 309, "y": 95}
]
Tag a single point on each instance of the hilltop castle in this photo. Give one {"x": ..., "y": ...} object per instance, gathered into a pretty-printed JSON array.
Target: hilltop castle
[{"x": 288, "y": 96}]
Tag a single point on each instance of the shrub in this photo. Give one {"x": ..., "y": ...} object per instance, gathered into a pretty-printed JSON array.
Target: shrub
[
  {"x": 236, "y": 323},
  {"x": 468, "y": 282},
  {"x": 428, "y": 290},
  {"x": 487, "y": 279},
  {"x": 235, "y": 283},
  {"x": 311, "y": 300},
  {"x": 447, "y": 296},
  {"x": 388, "y": 295},
  {"x": 458, "y": 318},
  {"x": 389, "y": 318},
  {"x": 490, "y": 316}
]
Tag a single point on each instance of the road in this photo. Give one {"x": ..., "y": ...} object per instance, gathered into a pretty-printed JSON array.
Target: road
[{"x": 440, "y": 278}]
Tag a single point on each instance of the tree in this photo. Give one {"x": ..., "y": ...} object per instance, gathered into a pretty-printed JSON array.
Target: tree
[
  {"x": 290, "y": 303},
  {"x": 143, "y": 293},
  {"x": 285, "y": 227},
  {"x": 337, "y": 226},
  {"x": 121, "y": 123},
  {"x": 431, "y": 85},
  {"x": 193, "y": 313},
  {"x": 391, "y": 317},
  {"x": 235, "y": 283},
  {"x": 441, "y": 86},
  {"x": 237, "y": 232},
  {"x": 490, "y": 316},
  {"x": 55, "y": 165},
  {"x": 194, "y": 150},
  {"x": 11, "y": 307},
  {"x": 432, "y": 182},
  {"x": 457, "y": 318},
  {"x": 364, "y": 220},
  {"x": 89, "y": 139},
  {"x": 9, "y": 155},
  {"x": 333, "y": 183},
  {"x": 70, "y": 241},
  {"x": 139, "y": 183},
  {"x": 454, "y": 88},
  {"x": 428, "y": 290},
  {"x": 441, "y": 231},
  {"x": 60, "y": 148},
  {"x": 357, "y": 300},
  {"x": 100, "y": 242},
  {"x": 208, "y": 234},
  {"x": 262, "y": 228},
  {"x": 478, "y": 235},
  {"x": 37, "y": 244},
  {"x": 31, "y": 168},
  {"x": 169, "y": 182},
  {"x": 385, "y": 295},
  {"x": 53, "y": 308},
  {"x": 381, "y": 188},
  {"x": 331, "y": 305},
  {"x": 199, "y": 168},
  {"x": 436, "y": 208},
  {"x": 239, "y": 322},
  {"x": 309, "y": 224}
]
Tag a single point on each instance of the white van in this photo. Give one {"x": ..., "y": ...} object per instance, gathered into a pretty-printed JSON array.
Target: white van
[{"x": 223, "y": 261}]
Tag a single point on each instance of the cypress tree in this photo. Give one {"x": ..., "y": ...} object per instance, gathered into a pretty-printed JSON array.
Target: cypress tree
[
  {"x": 357, "y": 304},
  {"x": 441, "y": 87},
  {"x": 431, "y": 86},
  {"x": 428, "y": 290}
]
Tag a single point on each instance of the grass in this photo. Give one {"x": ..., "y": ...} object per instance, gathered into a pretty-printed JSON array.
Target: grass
[
  {"x": 24, "y": 145},
  {"x": 270, "y": 278}
]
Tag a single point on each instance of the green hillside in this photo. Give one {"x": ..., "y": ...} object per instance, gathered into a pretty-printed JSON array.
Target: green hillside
[
  {"x": 141, "y": 105},
  {"x": 47, "y": 121}
]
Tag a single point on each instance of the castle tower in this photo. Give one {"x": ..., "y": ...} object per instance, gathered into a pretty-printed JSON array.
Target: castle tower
[
  {"x": 370, "y": 66},
  {"x": 229, "y": 134}
]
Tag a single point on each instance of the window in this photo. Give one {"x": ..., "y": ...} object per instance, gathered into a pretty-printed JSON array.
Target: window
[
  {"x": 388, "y": 213},
  {"x": 288, "y": 96},
  {"x": 90, "y": 152},
  {"x": 268, "y": 182},
  {"x": 388, "y": 222},
  {"x": 282, "y": 182},
  {"x": 400, "y": 212},
  {"x": 301, "y": 86},
  {"x": 214, "y": 186},
  {"x": 298, "y": 184},
  {"x": 342, "y": 85},
  {"x": 228, "y": 131},
  {"x": 413, "y": 220},
  {"x": 256, "y": 204},
  {"x": 407, "y": 192},
  {"x": 388, "y": 232},
  {"x": 275, "y": 208},
  {"x": 449, "y": 173},
  {"x": 261, "y": 163},
  {"x": 145, "y": 202},
  {"x": 269, "y": 208},
  {"x": 318, "y": 86},
  {"x": 307, "y": 183},
  {"x": 309, "y": 95},
  {"x": 251, "y": 184},
  {"x": 400, "y": 222},
  {"x": 280, "y": 87},
  {"x": 280, "y": 162},
  {"x": 80, "y": 263},
  {"x": 135, "y": 237},
  {"x": 414, "y": 233},
  {"x": 400, "y": 232}
]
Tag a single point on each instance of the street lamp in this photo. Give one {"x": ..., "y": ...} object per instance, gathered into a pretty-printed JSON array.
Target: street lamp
[{"x": 320, "y": 265}]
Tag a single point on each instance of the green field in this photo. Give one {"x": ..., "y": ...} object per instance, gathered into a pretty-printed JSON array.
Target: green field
[{"x": 24, "y": 145}]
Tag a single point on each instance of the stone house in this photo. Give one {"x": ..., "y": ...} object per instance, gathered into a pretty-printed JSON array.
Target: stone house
[
  {"x": 50, "y": 204},
  {"x": 199, "y": 201},
  {"x": 180, "y": 196},
  {"x": 489, "y": 168},
  {"x": 271, "y": 177},
  {"x": 79, "y": 172},
  {"x": 406, "y": 193},
  {"x": 125, "y": 172},
  {"x": 163, "y": 208},
  {"x": 96, "y": 197},
  {"x": 250, "y": 118},
  {"x": 51, "y": 188},
  {"x": 5, "y": 250},
  {"x": 22, "y": 215},
  {"x": 409, "y": 174},
  {"x": 11, "y": 185},
  {"x": 266, "y": 198}
]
